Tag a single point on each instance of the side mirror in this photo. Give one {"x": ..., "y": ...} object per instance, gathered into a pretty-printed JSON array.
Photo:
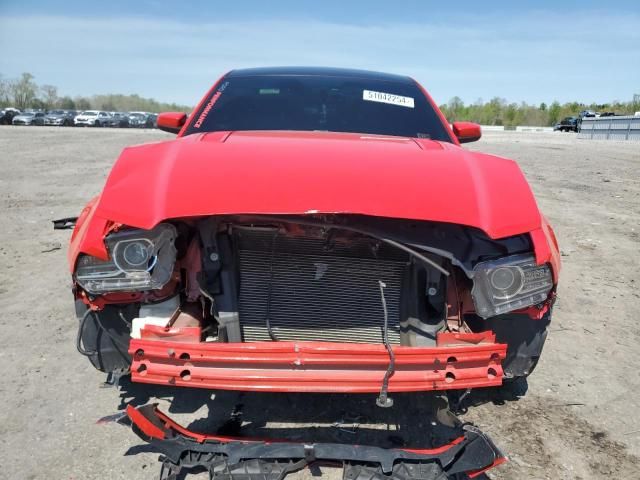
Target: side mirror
[
  {"x": 172, "y": 122},
  {"x": 466, "y": 131}
]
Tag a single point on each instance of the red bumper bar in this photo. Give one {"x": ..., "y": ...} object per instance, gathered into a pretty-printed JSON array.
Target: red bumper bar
[{"x": 459, "y": 361}]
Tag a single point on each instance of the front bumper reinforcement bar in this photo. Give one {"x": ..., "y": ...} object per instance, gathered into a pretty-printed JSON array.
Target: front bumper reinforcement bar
[
  {"x": 238, "y": 458},
  {"x": 458, "y": 361}
]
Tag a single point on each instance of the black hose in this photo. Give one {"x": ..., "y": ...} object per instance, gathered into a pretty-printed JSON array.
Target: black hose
[
  {"x": 383, "y": 399},
  {"x": 113, "y": 339},
  {"x": 79, "y": 346},
  {"x": 124, "y": 319},
  {"x": 388, "y": 241}
]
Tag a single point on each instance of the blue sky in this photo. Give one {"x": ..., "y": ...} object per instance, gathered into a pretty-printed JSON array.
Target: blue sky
[{"x": 538, "y": 51}]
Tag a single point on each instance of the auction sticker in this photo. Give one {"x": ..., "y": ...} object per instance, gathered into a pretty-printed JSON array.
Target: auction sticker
[{"x": 388, "y": 98}]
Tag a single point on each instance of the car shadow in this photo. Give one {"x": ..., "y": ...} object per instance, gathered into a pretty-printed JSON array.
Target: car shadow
[{"x": 416, "y": 420}]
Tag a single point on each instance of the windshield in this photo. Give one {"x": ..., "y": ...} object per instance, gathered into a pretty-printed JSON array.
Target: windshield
[
  {"x": 56, "y": 112},
  {"x": 324, "y": 103},
  {"x": 136, "y": 115},
  {"x": 90, "y": 114}
]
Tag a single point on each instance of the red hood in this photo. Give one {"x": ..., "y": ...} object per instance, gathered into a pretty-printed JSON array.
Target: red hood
[
  {"x": 300, "y": 172},
  {"x": 310, "y": 172}
]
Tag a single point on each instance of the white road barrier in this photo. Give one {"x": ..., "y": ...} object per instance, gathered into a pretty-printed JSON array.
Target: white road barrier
[{"x": 526, "y": 128}]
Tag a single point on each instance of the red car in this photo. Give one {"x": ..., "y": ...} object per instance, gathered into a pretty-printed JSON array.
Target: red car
[{"x": 314, "y": 230}]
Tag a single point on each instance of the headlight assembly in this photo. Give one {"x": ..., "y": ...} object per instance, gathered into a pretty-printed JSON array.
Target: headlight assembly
[
  {"x": 139, "y": 260},
  {"x": 510, "y": 283}
]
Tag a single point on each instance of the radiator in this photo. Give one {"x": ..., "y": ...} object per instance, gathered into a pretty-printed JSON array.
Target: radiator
[{"x": 313, "y": 292}]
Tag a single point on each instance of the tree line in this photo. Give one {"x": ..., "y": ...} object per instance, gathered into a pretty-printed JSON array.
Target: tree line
[
  {"x": 498, "y": 111},
  {"x": 24, "y": 92}
]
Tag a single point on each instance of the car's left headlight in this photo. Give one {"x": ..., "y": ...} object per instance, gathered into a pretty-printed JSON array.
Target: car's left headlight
[
  {"x": 510, "y": 283},
  {"x": 139, "y": 260}
]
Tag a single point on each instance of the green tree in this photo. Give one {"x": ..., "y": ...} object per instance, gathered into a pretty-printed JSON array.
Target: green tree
[
  {"x": 554, "y": 113},
  {"x": 38, "y": 104},
  {"x": 82, "y": 103},
  {"x": 455, "y": 109},
  {"x": 67, "y": 103},
  {"x": 510, "y": 114}
]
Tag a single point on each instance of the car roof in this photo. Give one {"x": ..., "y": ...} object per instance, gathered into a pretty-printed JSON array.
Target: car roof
[{"x": 319, "y": 71}]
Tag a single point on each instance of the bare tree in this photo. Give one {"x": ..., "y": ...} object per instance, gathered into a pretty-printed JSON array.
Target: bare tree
[
  {"x": 49, "y": 95},
  {"x": 4, "y": 92},
  {"x": 23, "y": 91}
]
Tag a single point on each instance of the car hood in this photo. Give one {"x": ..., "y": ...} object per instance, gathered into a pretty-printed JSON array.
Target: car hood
[
  {"x": 24, "y": 117},
  {"x": 317, "y": 172}
]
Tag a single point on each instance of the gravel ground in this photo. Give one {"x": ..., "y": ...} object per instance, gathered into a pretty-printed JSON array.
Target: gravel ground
[{"x": 579, "y": 419}]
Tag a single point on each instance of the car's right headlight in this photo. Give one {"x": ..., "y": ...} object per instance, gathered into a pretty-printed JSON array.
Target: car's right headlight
[
  {"x": 510, "y": 283},
  {"x": 139, "y": 260}
]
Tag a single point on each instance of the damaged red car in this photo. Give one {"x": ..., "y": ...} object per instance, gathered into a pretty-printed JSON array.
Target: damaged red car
[{"x": 314, "y": 230}]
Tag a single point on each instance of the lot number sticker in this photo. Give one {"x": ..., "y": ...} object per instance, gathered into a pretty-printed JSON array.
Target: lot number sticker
[{"x": 389, "y": 98}]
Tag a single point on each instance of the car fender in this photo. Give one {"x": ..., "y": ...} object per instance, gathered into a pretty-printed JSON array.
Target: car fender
[{"x": 88, "y": 235}]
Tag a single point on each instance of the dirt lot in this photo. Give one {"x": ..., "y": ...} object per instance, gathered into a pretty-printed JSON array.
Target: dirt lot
[{"x": 579, "y": 419}]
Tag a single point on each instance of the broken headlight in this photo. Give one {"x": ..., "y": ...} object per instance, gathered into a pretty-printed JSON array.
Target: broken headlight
[
  {"x": 510, "y": 283},
  {"x": 139, "y": 260}
]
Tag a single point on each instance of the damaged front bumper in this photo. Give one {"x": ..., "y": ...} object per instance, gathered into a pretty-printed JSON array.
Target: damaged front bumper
[
  {"x": 237, "y": 458},
  {"x": 458, "y": 361}
]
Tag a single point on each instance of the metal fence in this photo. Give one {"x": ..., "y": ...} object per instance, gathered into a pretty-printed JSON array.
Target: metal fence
[{"x": 610, "y": 128}]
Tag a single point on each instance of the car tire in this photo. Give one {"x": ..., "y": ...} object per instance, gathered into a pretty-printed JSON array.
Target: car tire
[{"x": 97, "y": 124}]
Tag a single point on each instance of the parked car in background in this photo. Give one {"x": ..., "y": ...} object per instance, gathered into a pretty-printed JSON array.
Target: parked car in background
[
  {"x": 138, "y": 119},
  {"x": 92, "y": 118},
  {"x": 28, "y": 118},
  {"x": 567, "y": 124},
  {"x": 588, "y": 113},
  {"x": 60, "y": 118},
  {"x": 152, "y": 121},
  {"x": 118, "y": 119},
  {"x": 7, "y": 114}
]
